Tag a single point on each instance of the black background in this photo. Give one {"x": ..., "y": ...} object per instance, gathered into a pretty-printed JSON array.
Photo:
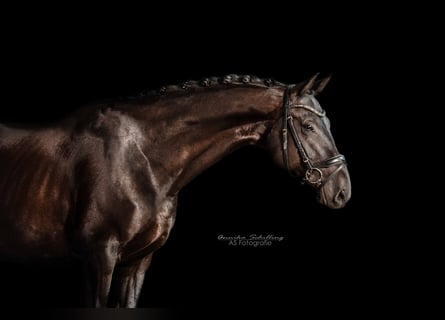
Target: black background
[{"x": 346, "y": 256}]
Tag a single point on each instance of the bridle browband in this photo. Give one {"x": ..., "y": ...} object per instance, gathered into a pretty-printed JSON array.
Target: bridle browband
[{"x": 313, "y": 174}]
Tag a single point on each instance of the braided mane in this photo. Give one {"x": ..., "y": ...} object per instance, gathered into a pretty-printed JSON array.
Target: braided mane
[{"x": 215, "y": 82}]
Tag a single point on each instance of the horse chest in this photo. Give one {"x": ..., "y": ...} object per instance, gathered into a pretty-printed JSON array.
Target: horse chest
[
  {"x": 161, "y": 218},
  {"x": 149, "y": 228}
]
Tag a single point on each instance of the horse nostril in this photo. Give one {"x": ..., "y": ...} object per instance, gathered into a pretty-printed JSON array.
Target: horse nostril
[{"x": 341, "y": 196}]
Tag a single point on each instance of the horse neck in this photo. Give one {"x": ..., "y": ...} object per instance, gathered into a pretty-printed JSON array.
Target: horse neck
[{"x": 186, "y": 134}]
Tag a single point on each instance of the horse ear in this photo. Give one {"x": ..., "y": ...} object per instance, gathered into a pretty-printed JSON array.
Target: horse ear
[
  {"x": 322, "y": 85},
  {"x": 309, "y": 84}
]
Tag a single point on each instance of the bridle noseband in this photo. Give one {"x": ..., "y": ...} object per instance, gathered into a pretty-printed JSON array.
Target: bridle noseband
[{"x": 313, "y": 174}]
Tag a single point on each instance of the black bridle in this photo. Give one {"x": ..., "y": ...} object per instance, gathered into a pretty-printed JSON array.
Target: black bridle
[{"x": 313, "y": 174}]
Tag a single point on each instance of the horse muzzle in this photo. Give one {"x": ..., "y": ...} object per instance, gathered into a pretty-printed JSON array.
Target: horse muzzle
[{"x": 336, "y": 192}]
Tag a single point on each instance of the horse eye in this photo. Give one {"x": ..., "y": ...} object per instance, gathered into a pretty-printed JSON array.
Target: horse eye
[{"x": 308, "y": 127}]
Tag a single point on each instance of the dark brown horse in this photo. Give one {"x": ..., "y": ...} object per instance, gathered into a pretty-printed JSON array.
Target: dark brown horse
[{"x": 103, "y": 183}]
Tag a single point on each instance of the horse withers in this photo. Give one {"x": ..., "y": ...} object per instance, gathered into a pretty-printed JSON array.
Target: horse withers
[{"x": 103, "y": 183}]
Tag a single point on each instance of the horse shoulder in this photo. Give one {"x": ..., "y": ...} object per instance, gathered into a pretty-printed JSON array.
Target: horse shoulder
[{"x": 117, "y": 195}]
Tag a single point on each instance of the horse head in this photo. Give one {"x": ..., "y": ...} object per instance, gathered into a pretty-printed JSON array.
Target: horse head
[{"x": 301, "y": 142}]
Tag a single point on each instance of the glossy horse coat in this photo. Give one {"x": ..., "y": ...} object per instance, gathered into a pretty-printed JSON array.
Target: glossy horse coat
[{"x": 103, "y": 183}]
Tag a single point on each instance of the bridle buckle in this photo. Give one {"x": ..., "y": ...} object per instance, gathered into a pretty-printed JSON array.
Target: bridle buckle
[{"x": 313, "y": 176}]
